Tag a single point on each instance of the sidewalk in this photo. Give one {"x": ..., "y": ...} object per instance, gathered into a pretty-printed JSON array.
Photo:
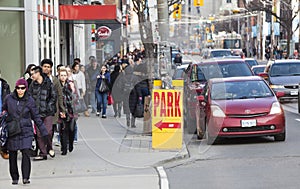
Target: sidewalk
[{"x": 108, "y": 155}]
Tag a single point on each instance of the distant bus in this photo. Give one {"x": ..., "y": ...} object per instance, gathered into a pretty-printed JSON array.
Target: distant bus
[{"x": 231, "y": 41}]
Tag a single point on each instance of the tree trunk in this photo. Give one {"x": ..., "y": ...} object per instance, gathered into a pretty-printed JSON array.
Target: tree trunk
[{"x": 146, "y": 34}]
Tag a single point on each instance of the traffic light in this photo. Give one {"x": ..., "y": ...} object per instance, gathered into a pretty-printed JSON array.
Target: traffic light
[{"x": 177, "y": 11}]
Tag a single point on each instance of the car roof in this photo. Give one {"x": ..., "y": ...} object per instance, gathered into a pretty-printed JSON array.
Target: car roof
[
  {"x": 183, "y": 66},
  {"x": 250, "y": 59},
  {"x": 228, "y": 79},
  {"x": 259, "y": 66},
  {"x": 286, "y": 61},
  {"x": 218, "y": 49},
  {"x": 222, "y": 60}
]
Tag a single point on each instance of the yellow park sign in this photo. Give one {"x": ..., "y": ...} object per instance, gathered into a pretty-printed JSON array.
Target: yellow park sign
[{"x": 167, "y": 116}]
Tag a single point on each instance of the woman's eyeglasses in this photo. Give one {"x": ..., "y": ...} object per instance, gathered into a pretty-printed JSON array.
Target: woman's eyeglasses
[{"x": 22, "y": 88}]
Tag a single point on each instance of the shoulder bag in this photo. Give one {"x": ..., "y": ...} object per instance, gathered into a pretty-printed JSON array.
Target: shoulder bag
[
  {"x": 103, "y": 86},
  {"x": 14, "y": 127}
]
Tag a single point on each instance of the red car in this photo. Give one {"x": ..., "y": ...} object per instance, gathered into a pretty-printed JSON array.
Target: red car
[
  {"x": 240, "y": 107},
  {"x": 196, "y": 76}
]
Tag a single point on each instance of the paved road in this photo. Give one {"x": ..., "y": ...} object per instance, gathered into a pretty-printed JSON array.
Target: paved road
[{"x": 246, "y": 163}]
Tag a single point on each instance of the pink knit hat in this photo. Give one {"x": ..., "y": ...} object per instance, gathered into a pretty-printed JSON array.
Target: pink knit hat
[{"x": 22, "y": 81}]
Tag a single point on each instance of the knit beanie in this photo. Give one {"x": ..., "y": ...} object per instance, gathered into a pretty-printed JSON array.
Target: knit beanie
[{"x": 22, "y": 81}]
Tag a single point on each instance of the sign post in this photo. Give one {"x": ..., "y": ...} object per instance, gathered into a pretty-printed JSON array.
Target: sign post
[{"x": 167, "y": 116}]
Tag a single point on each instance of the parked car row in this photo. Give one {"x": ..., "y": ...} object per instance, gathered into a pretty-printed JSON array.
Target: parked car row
[{"x": 215, "y": 111}]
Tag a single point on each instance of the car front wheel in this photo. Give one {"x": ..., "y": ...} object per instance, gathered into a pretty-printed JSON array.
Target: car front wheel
[{"x": 280, "y": 137}]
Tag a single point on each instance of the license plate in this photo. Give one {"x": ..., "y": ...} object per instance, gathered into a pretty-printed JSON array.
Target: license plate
[
  {"x": 248, "y": 123},
  {"x": 294, "y": 92}
]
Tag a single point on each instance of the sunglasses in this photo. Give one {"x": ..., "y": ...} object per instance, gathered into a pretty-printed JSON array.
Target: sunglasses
[{"x": 22, "y": 88}]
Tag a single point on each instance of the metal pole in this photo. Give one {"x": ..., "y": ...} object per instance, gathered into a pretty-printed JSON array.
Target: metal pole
[{"x": 299, "y": 29}]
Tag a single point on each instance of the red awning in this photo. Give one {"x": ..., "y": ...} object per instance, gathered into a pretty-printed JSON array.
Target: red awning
[{"x": 89, "y": 14}]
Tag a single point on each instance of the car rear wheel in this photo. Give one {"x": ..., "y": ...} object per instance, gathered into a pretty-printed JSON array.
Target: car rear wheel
[{"x": 280, "y": 137}]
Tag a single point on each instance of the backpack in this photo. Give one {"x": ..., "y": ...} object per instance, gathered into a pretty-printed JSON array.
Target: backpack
[
  {"x": 3, "y": 129},
  {"x": 128, "y": 85}
]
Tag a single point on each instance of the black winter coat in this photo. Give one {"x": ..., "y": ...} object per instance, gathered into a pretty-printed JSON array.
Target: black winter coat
[
  {"x": 14, "y": 105},
  {"x": 116, "y": 90},
  {"x": 45, "y": 96},
  {"x": 130, "y": 100}
]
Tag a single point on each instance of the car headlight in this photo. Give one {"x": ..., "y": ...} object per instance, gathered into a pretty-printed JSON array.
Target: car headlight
[
  {"x": 275, "y": 109},
  {"x": 277, "y": 86},
  {"x": 217, "y": 111}
]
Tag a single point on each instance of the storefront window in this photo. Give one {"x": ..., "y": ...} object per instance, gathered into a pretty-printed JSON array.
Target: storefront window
[
  {"x": 12, "y": 3},
  {"x": 47, "y": 22},
  {"x": 12, "y": 53}
]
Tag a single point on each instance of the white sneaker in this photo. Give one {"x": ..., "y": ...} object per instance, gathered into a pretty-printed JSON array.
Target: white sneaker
[
  {"x": 52, "y": 153},
  {"x": 57, "y": 144}
]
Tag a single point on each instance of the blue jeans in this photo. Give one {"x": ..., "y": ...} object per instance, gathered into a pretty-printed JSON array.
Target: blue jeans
[
  {"x": 93, "y": 102},
  {"x": 101, "y": 102}
]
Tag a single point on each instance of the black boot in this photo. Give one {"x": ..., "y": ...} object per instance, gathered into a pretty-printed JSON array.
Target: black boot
[
  {"x": 133, "y": 122},
  {"x": 128, "y": 120}
]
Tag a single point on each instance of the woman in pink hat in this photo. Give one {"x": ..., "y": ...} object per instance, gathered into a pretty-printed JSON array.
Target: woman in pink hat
[{"x": 15, "y": 104}]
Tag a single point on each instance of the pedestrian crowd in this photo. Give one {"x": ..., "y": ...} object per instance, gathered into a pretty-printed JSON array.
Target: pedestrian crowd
[{"x": 45, "y": 107}]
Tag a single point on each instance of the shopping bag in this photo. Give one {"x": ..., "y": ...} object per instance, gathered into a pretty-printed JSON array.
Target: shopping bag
[
  {"x": 139, "y": 109},
  {"x": 110, "y": 99},
  {"x": 80, "y": 106}
]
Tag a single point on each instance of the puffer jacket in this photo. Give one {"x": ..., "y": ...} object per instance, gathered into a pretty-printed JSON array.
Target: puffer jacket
[
  {"x": 13, "y": 106},
  {"x": 45, "y": 96}
]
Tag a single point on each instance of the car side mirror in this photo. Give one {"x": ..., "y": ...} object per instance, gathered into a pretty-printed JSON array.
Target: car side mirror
[{"x": 279, "y": 94}]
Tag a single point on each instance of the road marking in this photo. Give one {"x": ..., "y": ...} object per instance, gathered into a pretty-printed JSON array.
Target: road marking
[
  {"x": 164, "y": 183},
  {"x": 297, "y": 120}
]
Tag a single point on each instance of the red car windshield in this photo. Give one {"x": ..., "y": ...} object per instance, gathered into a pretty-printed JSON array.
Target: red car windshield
[
  {"x": 222, "y": 70},
  {"x": 240, "y": 90}
]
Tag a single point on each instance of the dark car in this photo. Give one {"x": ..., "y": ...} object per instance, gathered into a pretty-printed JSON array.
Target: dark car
[
  {"x": 240, "y": 107},
  {"x": 258, "y": 69},
  {"x": 251, "y": 62},
  {"x": 284, "y": 75},
  {"x": 179, "y": 72},
  {"x": 196, "y": 77},
  {"x": 215, "y": 53}
]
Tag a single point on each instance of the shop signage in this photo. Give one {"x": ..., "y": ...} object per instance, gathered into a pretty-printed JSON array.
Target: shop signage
[{"x": 104, "y": 32}]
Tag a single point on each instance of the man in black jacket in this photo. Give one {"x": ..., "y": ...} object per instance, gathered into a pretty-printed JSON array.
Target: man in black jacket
[
  {"x": 45, "y": 96},
  {"x": 4, "y": 90}
]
